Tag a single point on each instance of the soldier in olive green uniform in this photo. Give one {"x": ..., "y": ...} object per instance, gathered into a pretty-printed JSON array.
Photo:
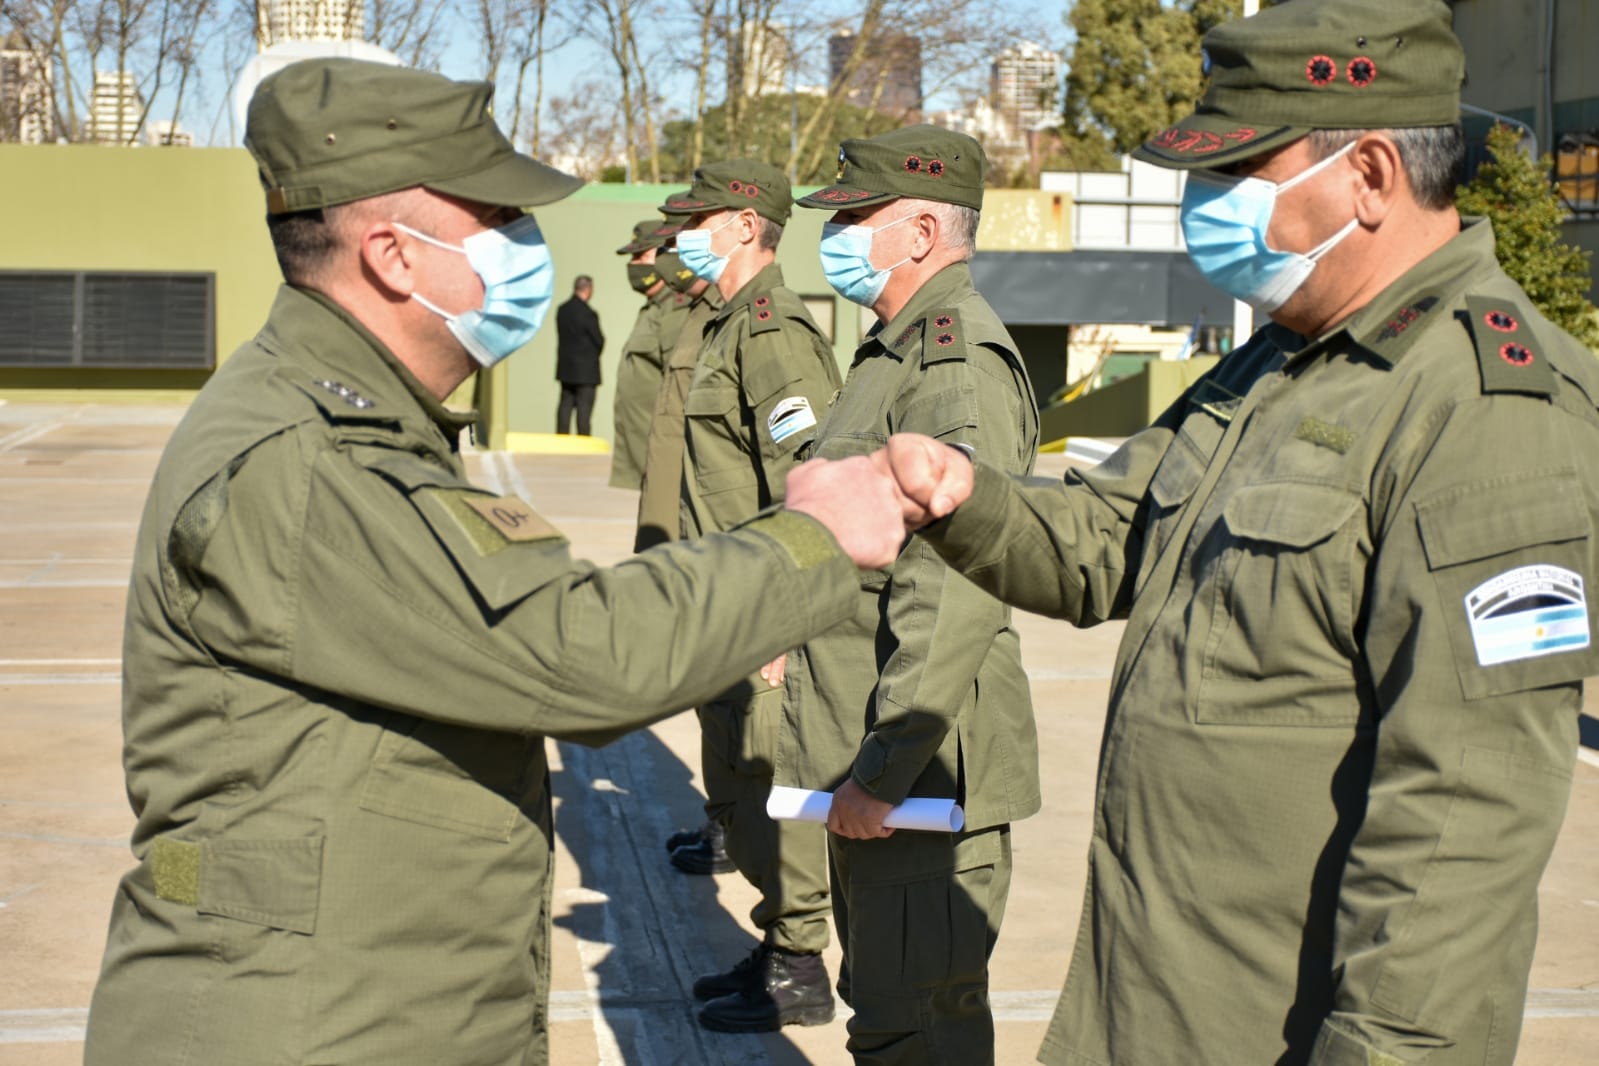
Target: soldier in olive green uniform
[
  {"x": 1354, "y": 561},
  {"x": 922, "y": 692},
  {"x": 764, "y": 376},
  {"x": 639, "y": 376},
  {"x": 660, "y": 505},
  {"x": 342, "y": 660}
]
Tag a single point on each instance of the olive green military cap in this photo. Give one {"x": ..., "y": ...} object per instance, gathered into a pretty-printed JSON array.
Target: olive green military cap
[
  {"x": 924, "y": 162},
  {"x": 329, "y": 131},
  {"x": 650, "y": 233},
  {"x": 1316, "y": 64},
  {"x": 736, "y": 184}
]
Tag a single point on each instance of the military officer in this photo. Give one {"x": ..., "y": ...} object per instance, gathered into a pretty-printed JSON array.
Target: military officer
[
  {"x": 1354, "y": 561},
  {"x": 763, "y": 377},
  {"x": 922, "y": 692},
  {"x": 341, "y": 659},
  {"x": 661, "y": 494},
  {"x": 639, "y": 375}
]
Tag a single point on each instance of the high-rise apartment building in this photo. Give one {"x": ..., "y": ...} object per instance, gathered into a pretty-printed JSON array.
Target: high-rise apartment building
[
  {"x": 889, "y": 78},
  {"x": 115, "y": 108},
  {"x": 27, "y": 99},
  {"x": 310, "y": 20},
  {"x": 1024, "y": 81}
]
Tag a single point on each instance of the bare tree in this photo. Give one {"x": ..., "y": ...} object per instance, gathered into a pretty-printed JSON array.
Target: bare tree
[
  {"x": 409, "y": 29},
  {"x": 583, "y": 136}
]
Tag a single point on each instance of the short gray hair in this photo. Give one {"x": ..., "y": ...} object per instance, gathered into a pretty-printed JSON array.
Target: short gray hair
[
  {"x": 957, "y": 225},
  {"x": 1434, "y": 157}
]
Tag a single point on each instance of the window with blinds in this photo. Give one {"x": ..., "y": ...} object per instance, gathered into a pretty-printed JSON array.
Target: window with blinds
[{"x": 62, "y": 319}]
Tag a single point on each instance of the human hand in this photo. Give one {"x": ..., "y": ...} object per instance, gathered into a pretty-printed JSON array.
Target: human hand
[
  {"x": 857, "y": 501},
  {"x": 772, "y": 672},
  {"x": 932, "y": 478},
  {"x": 858, "y": 814}
]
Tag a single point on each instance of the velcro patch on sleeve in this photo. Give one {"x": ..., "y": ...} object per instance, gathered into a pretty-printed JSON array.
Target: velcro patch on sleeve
[
  {"x": 514, "y": 519},
  {"x": 790, "y": 416},
  {"x": 1527, "y": 612}
]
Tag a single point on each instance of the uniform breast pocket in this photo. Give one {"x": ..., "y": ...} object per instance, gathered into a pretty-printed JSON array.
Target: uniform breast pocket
[
  {"x": 1281, "y": 598},
  {"x": 720, "y": 453},
  {"x": 1511, "y": 558}
]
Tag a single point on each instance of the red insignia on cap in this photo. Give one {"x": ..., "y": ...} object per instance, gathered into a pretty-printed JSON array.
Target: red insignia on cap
[
  {"x": 913, "y": 163},
  {"x": 1362, "y": 72},
  {"x": 1179, "y": 140},
  {"x": 1516, "y": 355},
  {"x": 735, "y": 186},
  {"x": 946, "y": 339},
  {"x": 943, "y": 322},
  {"x": 751, "y": 189},
  {"x": 1503, "y": 321},
  {"x": 1321, "y": 70},
  {"x": 843, "y": 196},
  {"x": 936, "y": 168}
]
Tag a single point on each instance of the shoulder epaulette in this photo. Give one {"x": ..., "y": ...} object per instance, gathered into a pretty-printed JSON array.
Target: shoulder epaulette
[
  {"x": 943, "y": 339},
  {"x": 340, "y": 403},
  {"x": 1509, "y": 356},
  {"x": 764, "y": 315}
]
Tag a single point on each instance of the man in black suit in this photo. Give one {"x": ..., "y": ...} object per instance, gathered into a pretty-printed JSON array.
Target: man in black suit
[{"x": 578, "y": 341}]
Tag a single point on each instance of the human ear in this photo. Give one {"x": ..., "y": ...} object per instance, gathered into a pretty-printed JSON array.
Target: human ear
[
  {"x": 1381, "y": 178},
  {"x": 386, "y": 259}
]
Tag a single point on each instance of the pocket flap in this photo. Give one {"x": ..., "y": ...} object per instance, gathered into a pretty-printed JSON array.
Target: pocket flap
[
  {"x": 275, "y": 883},
  {"x": 712, "y": 401},
  {"x": 1490, "y": 518},
  {"x": 1295, "y": 514},
  {"x": 1177, "y": 476}
]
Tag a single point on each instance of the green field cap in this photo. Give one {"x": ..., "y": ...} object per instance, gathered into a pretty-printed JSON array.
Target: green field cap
[
  {"x": 924, "y": 162},
  {"x": 329, "y": 131},
  {"x": 736, "y": 184},
  {"x": 1316, "y": 64},
  {"x": 650, "y": 233}
]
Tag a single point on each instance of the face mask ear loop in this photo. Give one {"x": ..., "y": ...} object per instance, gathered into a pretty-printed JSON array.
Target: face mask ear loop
[
  {"x": 1327, "y": 245},
  {"x": 419, "y": 235},
  {"x": 1306, "y": 175}
]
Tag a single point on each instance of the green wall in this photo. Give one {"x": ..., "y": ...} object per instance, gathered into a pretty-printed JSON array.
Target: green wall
[{"x": 83, "y": 207}]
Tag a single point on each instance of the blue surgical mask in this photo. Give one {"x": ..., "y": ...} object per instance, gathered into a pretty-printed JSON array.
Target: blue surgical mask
[
  {"x": 1224, "y": 224},
  {"x": 518, "y": 286},
  {"x": 847, "y": 261},
  {"x": 694, "y": 249}
]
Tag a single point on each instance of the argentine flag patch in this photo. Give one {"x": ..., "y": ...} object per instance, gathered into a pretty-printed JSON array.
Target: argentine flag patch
[
  {"x": 789, "y": 417},
  {"x": 1528, "y": 612}
]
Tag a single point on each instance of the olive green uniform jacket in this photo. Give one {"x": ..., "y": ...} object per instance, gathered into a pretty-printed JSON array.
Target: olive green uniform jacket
[
  {"x": 1343, "y": 718},
  {"x": 637, "y": 379},
  {"x": 341, "y": 662},
  {"x": 660, "y": 502},
  {"x": 923, "y": 692},
  {"x": 764, "y": 378}
]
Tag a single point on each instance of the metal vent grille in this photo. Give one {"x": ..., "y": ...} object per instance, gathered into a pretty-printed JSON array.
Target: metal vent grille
[{"x": 101, "y": 319}]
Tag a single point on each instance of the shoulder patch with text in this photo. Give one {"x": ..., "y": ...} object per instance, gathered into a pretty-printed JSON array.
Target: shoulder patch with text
[
  {"x": 1526, "y": 613},
  {"x": 789, "y": 417}
]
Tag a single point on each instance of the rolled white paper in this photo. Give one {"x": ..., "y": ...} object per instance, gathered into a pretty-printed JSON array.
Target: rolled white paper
[{"x": 804, "y": 805}]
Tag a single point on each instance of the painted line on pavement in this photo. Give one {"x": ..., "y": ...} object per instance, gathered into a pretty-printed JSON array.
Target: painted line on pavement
[
  {"x": 57, "y": 838},
  {"x": 70, "y": 583},
  {"x": 26, "y": 434},
  {"x": 1089, "y": 449},
  {"x": 10, "y": 680},
  {"x": 66, "y": 1025},
  {"x": 60, "y": 662},
  {"x": 1588, "y": 756}
]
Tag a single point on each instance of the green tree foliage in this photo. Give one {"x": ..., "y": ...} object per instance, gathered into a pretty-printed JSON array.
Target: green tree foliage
[
  {"x": 1514, "y": 192},
  {"x": 767, "y": 122}
]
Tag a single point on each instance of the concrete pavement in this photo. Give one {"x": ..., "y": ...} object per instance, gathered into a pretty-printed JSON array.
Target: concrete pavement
[{"x": 631, "y": 933}]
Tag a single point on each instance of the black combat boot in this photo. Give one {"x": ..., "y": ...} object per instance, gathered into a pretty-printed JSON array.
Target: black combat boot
[
  {"x": 686, "y": 836},
  {"x": 747, "y": 971},
  {"x": 706, "y": 856},
  {"x": 791, "y": 989}
]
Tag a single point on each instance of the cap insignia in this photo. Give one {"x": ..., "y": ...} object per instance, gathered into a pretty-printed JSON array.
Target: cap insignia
[
  {"x": 1362, "y": 72},
  {"x": 1516, "y": 355},
  {"x": 843, "y": 196},
  {"x": 1197, "y": 142},
  {"x": 1503, "y": 321},
  {"x": 935, "y": 169},
  {"x": 1321, "y": 70},
  {"x": 913, "y": 163}
]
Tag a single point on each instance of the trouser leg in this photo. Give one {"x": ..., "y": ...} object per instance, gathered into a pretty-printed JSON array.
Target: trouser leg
[
  {"x": 564, "y": 409},
  {"x": 786, "y": 861},
  {"x": 919, "y": 914},
  {"x": 585, "y": 409}
]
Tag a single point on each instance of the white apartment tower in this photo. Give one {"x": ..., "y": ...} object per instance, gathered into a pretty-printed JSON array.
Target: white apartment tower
[
  {"x": 27, "y": 99},
  {"x": 1024, "y": 81},
  {"x": 309, "y": 20},
  {"x": 115, "y": 108}
]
